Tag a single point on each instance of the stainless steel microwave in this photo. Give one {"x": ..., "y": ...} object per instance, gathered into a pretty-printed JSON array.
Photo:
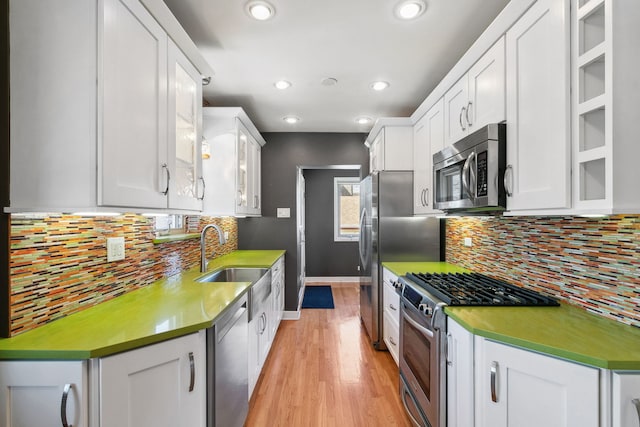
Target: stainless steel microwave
[{"x": 468, "y": 176}]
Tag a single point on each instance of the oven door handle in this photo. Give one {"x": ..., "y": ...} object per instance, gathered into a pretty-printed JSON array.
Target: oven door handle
[
  {"x": 419, "y": 327},
  {"x": 406, "y": 407}
]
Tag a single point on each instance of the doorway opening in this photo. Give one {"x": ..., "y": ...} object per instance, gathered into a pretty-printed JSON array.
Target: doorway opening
[{"x": 319, "y": 253}]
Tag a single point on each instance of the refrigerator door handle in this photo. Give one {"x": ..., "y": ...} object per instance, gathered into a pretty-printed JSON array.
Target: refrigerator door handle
[{"x": 361, "y": 246}]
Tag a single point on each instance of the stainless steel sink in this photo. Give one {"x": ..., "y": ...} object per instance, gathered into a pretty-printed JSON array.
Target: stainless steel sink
[{"x": 235, "y": 275}]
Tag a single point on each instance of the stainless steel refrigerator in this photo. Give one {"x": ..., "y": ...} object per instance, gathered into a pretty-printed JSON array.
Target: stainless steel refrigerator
[{"x": 389, "y": 233}]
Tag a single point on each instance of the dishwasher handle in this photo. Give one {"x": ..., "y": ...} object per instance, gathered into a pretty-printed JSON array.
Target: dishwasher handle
[{"x": 224, "y": 326}]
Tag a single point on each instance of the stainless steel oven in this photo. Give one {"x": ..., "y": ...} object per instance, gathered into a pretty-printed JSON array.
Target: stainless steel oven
[
  {"x": 423, "y": 358},
  {"x": 422, "y": 361}
]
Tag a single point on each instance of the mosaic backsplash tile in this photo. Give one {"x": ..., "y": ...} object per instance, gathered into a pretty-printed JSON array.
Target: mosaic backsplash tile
[
  {"x": 594, "y": 263},
  {"x": 59, "y": 262}
]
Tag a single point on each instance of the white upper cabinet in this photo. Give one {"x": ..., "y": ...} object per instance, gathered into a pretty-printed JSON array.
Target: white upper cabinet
[
  {"x": 232, "y": 173},
  {"x": 428, "y": 139},
  {"x": 605, "y": 106},
  {"x": 133, "y": 87},
  {"x": 538, "y": 121},
  {"x": 186, "y": 186},
  {"x": 95, "y": 103},
  {"x": 478, "y": 98},
  {"x": 391, "y": 145}
]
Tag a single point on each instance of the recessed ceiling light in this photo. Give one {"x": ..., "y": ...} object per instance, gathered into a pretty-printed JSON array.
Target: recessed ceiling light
[
  {"x": 410, "y": 9},
  {"x": 364, "y": 120},
  {"x": 282, "y": 84},
  {"x": 292, "y": 120},
  {"x": 378, "y": 86},
  {"x": 260, "y": 10}
]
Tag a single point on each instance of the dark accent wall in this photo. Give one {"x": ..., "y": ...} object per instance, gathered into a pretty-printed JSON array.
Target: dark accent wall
[
  {"x": 281, "y": 156},
  {"x": 324, "y": 256},
  {"x": 4, "y": 169}
]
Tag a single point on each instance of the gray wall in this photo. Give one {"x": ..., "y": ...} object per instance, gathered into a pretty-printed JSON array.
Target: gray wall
[
  {"x": 281, "y": 156},
  {"x": 326, "y": 257}
]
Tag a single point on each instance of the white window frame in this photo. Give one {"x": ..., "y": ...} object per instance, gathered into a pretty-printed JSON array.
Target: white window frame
[{"x": 337, "y": 236}]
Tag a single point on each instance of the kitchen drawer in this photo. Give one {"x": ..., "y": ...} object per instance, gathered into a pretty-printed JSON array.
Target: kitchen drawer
[
  {"x": 388, "y": 276},
  {"x": 391, "y": 334},
  {"x": 391, "y": 302}
]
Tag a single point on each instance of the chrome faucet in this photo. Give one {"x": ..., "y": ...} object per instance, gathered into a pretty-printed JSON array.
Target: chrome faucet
[{"x": 203, "y": 245}]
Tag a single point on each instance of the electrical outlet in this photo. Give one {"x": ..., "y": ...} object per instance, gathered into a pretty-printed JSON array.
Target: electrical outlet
[
  {"x": 226, "y": 235},
  {"x": 115, "y": 249},
  {"x": 468, "y": 242}
]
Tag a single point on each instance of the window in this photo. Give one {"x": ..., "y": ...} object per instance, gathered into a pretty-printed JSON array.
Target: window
[{"x": 346, "y": 209}]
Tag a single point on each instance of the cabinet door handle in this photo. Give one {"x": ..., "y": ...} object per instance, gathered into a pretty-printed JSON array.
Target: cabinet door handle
[
  {"x": 426, "y": 197},
  {"x": 508, "y": 181},
  {"x": 494, "y": 375},
  {"x": 239, "y": 197},
  {"x": 63, "y": 405},
  {"x": 166, "y": 168},
  {"x": 204, "y": 186},
  {"x": 466, "y": 114},
  {"x": 462, "y": 112},
  {"x": 192, "y": 369},
  {"x": 392, "y": 341},
  {"x": 636, "y": 403},
  {"x": 255, "y": 202},
  {"x": 392, "y": 307}
]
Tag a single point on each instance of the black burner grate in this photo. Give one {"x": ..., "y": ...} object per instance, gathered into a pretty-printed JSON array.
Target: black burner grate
[{"x": 477, "y": 289}]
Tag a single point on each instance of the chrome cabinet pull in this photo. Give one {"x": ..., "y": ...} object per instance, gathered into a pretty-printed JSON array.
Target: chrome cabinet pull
[
  {"x": 463, "y": 111},
  {"x": 392, "y": 307},
  {"x": 192, "y": 367},
  {"x": 392, "y": 341},
  {"x": 426, "y": 197},
  {"x": 240, "y": 197},
  {"x": 204, "y": 186},
  {"x": 508, "y": 181},
  {"x": 63, "y": 405},
  {"x": 166, "y": 168},
  {"x": 255, "y": 202},
  {"x": 494, "y": 375},
  {"x": 449, "y": 350},
  {"x": 469, "y": 122},
  {"x": 636, "y": 403}
]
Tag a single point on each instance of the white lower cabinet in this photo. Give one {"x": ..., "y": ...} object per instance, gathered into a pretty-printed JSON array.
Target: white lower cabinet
[
  {"x": 626, "y": 399},
  {"x": 391, "y": 314},
  {"x": 160, "y": 385},
  {"x": 520, "y": 388},
  {"x": 277, "y": 287},
  {"x": 43, "y": 394},
  {"x": 460, "y": 391}
]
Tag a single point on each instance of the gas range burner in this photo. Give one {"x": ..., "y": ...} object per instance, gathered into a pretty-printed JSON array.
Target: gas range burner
[{"x": 479, "y": 290}]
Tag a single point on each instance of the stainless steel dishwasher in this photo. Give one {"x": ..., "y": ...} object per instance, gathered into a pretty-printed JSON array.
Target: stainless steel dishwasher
[{"x": 228, "y": 384}]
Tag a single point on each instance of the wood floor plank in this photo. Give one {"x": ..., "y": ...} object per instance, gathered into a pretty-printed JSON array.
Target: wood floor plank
[{"x": 323, "y": 372}]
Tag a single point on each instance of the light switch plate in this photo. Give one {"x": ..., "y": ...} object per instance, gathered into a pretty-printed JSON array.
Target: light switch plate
[
  {"x": 284, "y": 213},
  {"x": 115, "y": 249},
  {"x": 467, "y": 241}
]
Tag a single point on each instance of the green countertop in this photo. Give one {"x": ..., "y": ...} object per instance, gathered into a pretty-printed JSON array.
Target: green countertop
[
  {"x": 568, "y": 331},
  {"x": 168, "y": 308}
]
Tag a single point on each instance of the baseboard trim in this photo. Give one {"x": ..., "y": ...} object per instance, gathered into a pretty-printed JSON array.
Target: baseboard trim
[
  {"x": 333, "y": 279},
  {"x": 290, "y": 315}
]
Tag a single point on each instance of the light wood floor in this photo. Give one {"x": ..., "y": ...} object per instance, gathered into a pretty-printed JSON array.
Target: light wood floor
[{"x": 322, "y": 371}]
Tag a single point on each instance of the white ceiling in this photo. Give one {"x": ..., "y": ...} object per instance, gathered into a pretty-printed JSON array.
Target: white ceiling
[{"x": 354, "y": 41}]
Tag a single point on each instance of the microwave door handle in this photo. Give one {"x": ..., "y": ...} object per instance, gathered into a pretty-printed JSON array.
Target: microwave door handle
[{"x": 465, "y": 170}]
